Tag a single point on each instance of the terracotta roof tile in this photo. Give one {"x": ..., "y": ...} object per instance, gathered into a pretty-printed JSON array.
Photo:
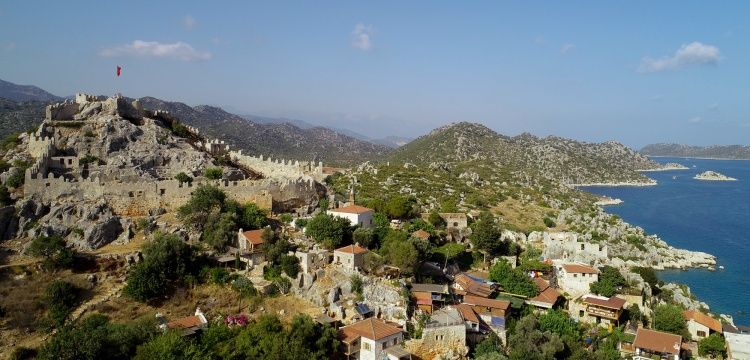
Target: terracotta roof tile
[
  {"x": 490, "y": 303},
  {"x": 185, "y": 323},
  {"x": 254, "y": 237},
  {"x": 609, "y": 303},
  {"x": 432, "y": 288},
  {"x": 352, "y": 209},
  {"x": 422, "y": 298},
  {"x": 580, "y": 268},
  {"x": 421, "y": 234},
  {"x": 472, "y": 286},
  {"x": 657, "y": 341},
  {"x": 374, "y": 329},
  {"x": 467, "y": 313},
  {"x": 352, "y": 249},
  {"x": 703, "y": 319}
]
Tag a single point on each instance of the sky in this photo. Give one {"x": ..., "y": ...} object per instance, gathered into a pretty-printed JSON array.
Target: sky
[{"x": 637, "y": 72}]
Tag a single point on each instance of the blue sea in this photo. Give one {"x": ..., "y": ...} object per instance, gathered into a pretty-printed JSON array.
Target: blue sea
[{"x": 708, "y": 216}]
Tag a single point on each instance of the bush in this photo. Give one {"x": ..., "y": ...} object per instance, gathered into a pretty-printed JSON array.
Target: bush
[
  {"x": 549, "y": 222},
  {"x": 215, "y": 275},
  {"x": 610, "y": 281},
  {"x": 56, "y": 255},
  {"x": 183, "y": 178},
  {"x": 290, "y": 265},
  {"x": 253, "y": 217},
  {"x": 23, "y": 353},
  {"x": 331, "y": 231},
  {"x": 286, "y": 218},
  {"x": 213, "y": 173},
  {"x": 59, "y": 298},
  {"x": 165, "y": 260},
  {"x": 244, "y": 286},
  {"x": 16, "y": 179},
  {"x": 88, "y": 159},
  {"x": 357, "y": 284},
  {"x": 669, "y": 318},
  {"x": 512, "y": 280},
  {"x": 714, "y": 346},
  {"x": 10, "y": 141}
]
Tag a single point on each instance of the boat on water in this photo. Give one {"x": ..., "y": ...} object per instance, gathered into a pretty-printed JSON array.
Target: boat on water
[{"x": 721, "y": 267}]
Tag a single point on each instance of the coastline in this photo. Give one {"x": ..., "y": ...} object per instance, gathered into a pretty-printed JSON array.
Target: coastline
[
  {"x": 694, "y": 157},
  {"x": 618, "y": 184},
  {"x": 671, "y": 168}
]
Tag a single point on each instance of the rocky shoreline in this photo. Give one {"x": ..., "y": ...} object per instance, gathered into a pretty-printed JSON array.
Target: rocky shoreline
[
  {"x": 607, "y": 201},
  {"x": 617, "y": 184},
  {"x": 668, "y": 167}
]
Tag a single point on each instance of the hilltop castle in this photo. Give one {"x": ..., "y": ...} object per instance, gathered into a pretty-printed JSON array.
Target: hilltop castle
[{"x": 83, "y": 173}]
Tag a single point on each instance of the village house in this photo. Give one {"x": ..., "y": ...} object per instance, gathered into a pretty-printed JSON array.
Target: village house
[
  {"x": 576, "y": 279},
  {"x": 373, "y": 339},
  {"x": 312, "y": 260},
  {"x": 357, "y": 215},
  {"x": 598, "y": 310},
  {"x": 548, "y": 296},
  {"x": 445, "y": 328},
  {"x": 187, "y": 326},
  {"x": 738, "y": 346},
  {"x": 429, "y": 296},
  {"x": 701, "y": 325},
  {"x": 464, "y": 284},
  {"x": 652, "y": 344},
  {"x": 350, "y": 257},
  {"x": 492, "y": 312},
  {"x": 250, "y": 244},
  {"x": 476, "y": 330}
]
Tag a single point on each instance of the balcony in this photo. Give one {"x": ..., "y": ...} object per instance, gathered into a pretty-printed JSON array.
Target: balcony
[{"x": 604, "y": 313}]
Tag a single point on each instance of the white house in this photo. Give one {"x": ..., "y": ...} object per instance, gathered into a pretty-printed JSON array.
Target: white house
[
  {"x": 357, "y": 215},
  {"x": 373, "y": 339},
  {"x": 575, "y": 279},
  {"x": 738, "y": 346},
  {"x": 701, "y": 325}
]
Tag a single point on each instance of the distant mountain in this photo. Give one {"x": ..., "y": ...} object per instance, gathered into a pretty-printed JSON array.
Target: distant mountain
[
  {"x": 277, "y": 140},
  {"x": 714, "y": 152},
  {"x": 15, "y": 92},
  {"x": 272, "y": 120},
  {"x": 392, "y": 141},
  {"x": 476, "y": 147},
  {"x": 18, "y": 116}
]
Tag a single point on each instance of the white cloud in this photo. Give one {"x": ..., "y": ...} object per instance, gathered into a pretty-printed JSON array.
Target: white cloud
[
  {"x": 362, "y": 37},
  {"x": 695, "y": 53},
  {"x": 695, "y": 120},
  {"x": 189, "y": 22},
  {"x": 154, "y": 49},
  {"x": 566, "y": 48}
]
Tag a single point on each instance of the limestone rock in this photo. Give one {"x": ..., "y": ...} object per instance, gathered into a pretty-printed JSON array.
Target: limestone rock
[{"x": 8, "y": 222}]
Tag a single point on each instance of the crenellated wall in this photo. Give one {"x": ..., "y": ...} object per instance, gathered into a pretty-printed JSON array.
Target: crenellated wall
[
  {"x": 279, "y": 168},
  {"x": 61, "y": 111}
]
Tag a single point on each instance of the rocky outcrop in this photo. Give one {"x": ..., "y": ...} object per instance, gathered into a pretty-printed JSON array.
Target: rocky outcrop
[
  {"x": 713, "y": 176},
  {"x": 8, "y": 222}
]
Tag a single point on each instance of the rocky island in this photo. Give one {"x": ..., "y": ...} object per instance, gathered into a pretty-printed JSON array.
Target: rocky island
[
  {"x": 669, "y": 166},
  {"x": 713, "y": 176}
]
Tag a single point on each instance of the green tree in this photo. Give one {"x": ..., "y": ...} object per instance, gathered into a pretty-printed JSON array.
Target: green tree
[
  {"x": 512, "y": 280},
  {"x": 60, "y": 298},
  {"x": 183, "y": 178},
  {"x": 220, "y": 229},
  {"x": 204, "y": 200},
  {"x": 561, "y": 324},
  {"x": 286, "y": 218},
  {"x": 436, "y": 220},
  {"x": 490, "y": 345},
  {"x": 364, "y": 237},
  {"x": 648, "y": 274},
  {"x": 331, "y": 231},
  {"x": 450, "y": 251},
  {"x": 253, "y": 217},
  {"x": 669, "y": 318},
  {"x": 610, "y": 281},
  {"x": 165, "y": 259},
  {"x": 400, "y": 207},
  {"x": 485, "y": 236},
  {"x": 290, "y": 265},
  {"x": 168, "y": 346},
  {"x": 714, "y": 346},
  {"x": 402, "y": 254},
  {"x": 56, "y": 255},
  {"x": 449, "y": 206},
  {"x": 635, "y": 315},
  {"x": 213, "y": 173},
  {"x": 530, "y": 343}
]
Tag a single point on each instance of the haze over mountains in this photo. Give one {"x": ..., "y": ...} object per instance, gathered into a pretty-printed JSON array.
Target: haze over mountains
[{"x": 736, "y": 152}]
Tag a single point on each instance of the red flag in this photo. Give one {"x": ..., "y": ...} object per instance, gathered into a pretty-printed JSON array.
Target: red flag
[{"x": 119, "y": 70}]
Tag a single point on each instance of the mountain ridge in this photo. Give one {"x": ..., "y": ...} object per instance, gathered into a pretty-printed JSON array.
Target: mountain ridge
[{"x": 733, "y": 152}]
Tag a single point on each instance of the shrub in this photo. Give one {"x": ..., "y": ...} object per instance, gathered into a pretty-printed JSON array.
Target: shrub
[
  {"x": 714, "y": 346},
  {"x": 512, "y": 280},
  {"x": 331, "y": 231},
  {"x": 59, "y": 298},
  {"x": 286, "y": 218},
  {"x": 549, "y": 222},
  {"x": 183, "y": 178},
  {"x": 213, "y": 173},
  {"x": 669, "y": 318},
  {"x": 56, "y": 255},
  {"x": 16, "y": 179},
  {"x": 10, "y": 141},
  {"x": 165, "y": 260},
  {"x": 244, "y": 286},
  {"x": 88, "y": 159},
  {"x": 5, "y": 199}
]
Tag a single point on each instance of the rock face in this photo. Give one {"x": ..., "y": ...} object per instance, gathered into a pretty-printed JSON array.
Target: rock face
[
  {"x": 8, "y": 222},
  {"x": 713, "y": 176}
]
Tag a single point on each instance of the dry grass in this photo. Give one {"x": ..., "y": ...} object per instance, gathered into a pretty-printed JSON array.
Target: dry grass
[{"x": 524, "y": 216}]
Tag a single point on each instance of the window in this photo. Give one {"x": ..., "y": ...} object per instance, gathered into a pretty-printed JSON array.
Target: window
[
  {"x": 701, "y": 333},
  {"x": 130, "y": 194},
  {"x": 581, "y": 247},
  {"x": 62, "y": 161},
  {"x": 162, "y": 191},
  {"x": 575, "y": 275},
  {"x": 366, "y": 346},
  {"x": 580, "y": 313}
]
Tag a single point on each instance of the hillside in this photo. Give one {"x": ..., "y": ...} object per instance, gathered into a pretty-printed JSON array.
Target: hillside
[
  {"x": 714, "y": 152},
  {"x": 272, "y": 139},
  {"x": 19, "y": 116},
  {"x": 554, "y": 158},
  {"x": 15, "y": 92}
]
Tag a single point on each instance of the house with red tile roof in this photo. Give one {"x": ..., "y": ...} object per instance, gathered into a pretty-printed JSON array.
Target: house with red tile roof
[
  {"x": 373, "y": 339},
  {"x": 701, "y": 325},
  {"x": 548, "y": 296},
  {"x": 576, "y": 279},
  {"x": 186, "y": 326},
  {"x": 464, "y": 284},
  {"x": 357, "y": 215},
  {"x": 492, "y": 312},
  {"x": 595, "y": 309},
  {"x": 421, "y": 234},
  {"x": 250, "y": 244},
  {"x": 350, "y": 257},
  {"x": 652, "y": 344}
]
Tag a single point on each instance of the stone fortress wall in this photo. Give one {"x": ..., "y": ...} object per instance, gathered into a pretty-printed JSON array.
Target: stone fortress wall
[{"x": 282, "y": 179}]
